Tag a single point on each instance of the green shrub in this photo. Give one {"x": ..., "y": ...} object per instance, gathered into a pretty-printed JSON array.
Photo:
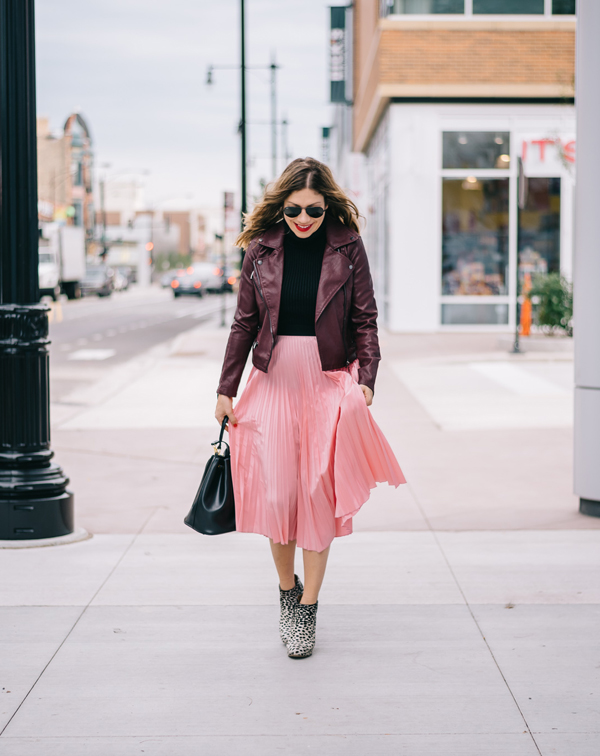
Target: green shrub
[{"x": 552, "y": 296}]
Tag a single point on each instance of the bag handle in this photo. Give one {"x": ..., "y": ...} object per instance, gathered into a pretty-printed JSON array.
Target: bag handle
[
  {"x": 220, "y": 442},
  {"x": 223, "y": 424}
]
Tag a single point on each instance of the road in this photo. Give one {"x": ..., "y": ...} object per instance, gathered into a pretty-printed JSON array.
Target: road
[{"x": 93, "y": 335}]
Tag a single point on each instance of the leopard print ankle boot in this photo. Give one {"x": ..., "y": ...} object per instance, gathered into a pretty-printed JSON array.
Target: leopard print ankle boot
[
  {"x": 303, "y": 635},
  {"x": 287, "y": 602}
]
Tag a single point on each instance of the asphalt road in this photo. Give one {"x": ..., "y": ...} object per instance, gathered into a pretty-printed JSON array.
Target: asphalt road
[{"x": 92, "y": 335}]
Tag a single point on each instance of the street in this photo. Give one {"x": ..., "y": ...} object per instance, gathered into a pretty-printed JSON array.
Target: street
[{"x": 92, "y": 335}]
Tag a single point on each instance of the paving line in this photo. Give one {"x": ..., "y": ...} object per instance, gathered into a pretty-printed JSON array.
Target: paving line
[{"x": 462, "y": 593}]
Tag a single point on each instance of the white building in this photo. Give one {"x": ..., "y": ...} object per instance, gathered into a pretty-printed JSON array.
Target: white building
[{"x": 448, "y": 103}]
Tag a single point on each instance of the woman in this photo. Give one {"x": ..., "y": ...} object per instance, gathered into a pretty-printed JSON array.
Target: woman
[{"x": 305, "y": 450}]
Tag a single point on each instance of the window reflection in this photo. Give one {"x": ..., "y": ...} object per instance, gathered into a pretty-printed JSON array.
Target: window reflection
[
  {"x": 475, "y": 236},
  {"x": 476, "y": 149},
  {"x": 514, "y": 7},
  {"x": 539, "y": 227}
]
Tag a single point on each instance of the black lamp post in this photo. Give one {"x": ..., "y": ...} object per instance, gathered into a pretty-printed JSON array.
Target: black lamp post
[
  {"x": 244, "y": 198},
  {"x": 34, "y": 502}
]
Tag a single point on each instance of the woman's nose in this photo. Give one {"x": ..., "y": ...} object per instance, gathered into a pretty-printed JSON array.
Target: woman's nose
[{"x": 303, "y": 218}]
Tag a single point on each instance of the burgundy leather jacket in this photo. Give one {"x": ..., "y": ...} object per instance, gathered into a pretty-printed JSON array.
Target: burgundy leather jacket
[{"x": 345, "y": 317}]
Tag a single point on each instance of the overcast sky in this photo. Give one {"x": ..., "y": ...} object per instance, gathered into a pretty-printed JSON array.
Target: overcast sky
[{"x": 136, "y": 71}]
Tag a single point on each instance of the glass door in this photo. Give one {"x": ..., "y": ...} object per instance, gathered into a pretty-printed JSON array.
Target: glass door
[{"x": 538, "y": 234}]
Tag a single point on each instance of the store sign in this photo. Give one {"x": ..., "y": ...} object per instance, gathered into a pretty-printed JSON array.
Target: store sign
[
  {"x": 337, "y": 54},
  {"x": 547, "y": 155}
]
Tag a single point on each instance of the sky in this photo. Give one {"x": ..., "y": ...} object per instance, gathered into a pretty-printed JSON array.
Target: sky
[{"x": 136, "y": 71}]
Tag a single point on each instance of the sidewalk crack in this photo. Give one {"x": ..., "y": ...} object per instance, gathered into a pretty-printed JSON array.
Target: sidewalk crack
[{"x": 462, "y": 593}]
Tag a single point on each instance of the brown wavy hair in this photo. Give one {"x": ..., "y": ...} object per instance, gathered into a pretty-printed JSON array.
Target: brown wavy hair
[{"x": 302, "y": 173}]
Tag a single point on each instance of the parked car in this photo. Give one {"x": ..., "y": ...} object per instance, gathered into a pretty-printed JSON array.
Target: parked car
[
  {"x": 212, "y": 276},
  {"x": 120, "y": 282},
  {"x": 127, "y": 273},
  {"x": 170, "y": 275},
  {"x": 191, "y": 282},
  {"x": 98, "y": 279},
  {"x": 231, "y": 279}
]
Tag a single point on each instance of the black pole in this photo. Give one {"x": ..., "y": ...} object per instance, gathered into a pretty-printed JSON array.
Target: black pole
[
  {"x": 103, "y": 211},
  {"x": 244, "y": 205},
  {"x": 34, "y": 502},
  {"x": 517, "y": 339},
  {"x": 273, "y": 68}
]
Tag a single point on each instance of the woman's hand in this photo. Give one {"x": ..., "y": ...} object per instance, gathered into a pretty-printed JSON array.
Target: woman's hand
[
  {"x": 368, "y": 394},
  {"x": 225, "y": 407}
]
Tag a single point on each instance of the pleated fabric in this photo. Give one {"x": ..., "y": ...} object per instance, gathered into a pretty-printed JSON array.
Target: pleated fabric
[{"x": 306, "y": 450}]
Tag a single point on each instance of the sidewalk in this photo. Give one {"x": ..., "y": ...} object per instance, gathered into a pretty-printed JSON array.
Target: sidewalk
[{"x": 460, "y": 618}]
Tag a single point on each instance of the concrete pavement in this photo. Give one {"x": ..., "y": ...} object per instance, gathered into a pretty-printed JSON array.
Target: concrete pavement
[{"x": 460, "y": 618}]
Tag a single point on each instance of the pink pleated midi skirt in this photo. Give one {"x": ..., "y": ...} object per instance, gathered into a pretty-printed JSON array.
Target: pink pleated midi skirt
[{"x": 306, "y": 450}]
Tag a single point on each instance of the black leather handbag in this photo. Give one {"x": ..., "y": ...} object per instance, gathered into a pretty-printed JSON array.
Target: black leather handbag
[{"x": 213, "y": 510}]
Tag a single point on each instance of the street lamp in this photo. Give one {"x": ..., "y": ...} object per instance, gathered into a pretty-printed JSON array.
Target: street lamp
[{"x": 34, "y": 501}]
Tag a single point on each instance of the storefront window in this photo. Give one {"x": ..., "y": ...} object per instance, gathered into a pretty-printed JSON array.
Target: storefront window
[
  {"x": 425, "y": 6},
  {"x": 475, "y": 237},
  {"x": 513, "y": 7},
  {"x": 563, "y": 7},
  {"x": 539, "y": 227},
  {"x": 476, "y": 149}
]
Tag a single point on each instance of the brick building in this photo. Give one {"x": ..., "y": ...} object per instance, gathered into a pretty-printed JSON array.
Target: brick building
[
  {"x": 452, "y": 100},
  {"x": 65, "y": 173}
]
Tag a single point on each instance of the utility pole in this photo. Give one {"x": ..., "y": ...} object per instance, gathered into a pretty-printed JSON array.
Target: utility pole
[
  {"x": 284, "y": 142},
  {"x": 273, "y": 68},
  {"x": 227, "y": 208},
  {"x": 244, "y": 200},
  {"x": 103, "y": 213},
  {"x": 34, "y": 501}
]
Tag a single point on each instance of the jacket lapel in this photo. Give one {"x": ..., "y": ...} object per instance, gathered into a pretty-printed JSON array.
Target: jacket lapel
[
  {"x": 270, "y": 270},
  {"x": 335, "y": 271}
]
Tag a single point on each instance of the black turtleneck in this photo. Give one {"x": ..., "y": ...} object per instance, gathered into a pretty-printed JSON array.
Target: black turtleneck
[{"x": 302, "y": 260}]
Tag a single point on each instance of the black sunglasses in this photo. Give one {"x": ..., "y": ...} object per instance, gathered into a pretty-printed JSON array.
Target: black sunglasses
[{"x": 312, "y": 212}]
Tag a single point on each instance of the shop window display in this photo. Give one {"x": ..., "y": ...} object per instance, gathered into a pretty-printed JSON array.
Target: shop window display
[
  {"x": 476, "y": 149},
  {"x": 475, "y": 237},
  {"x": 539, "y": 228},
  {"x": 512, "y": 7}
]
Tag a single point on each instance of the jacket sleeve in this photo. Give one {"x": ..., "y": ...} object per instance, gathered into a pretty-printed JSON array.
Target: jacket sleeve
[
  {"x": 243, "y": 331},
  {"x": 363, "y": 319}
]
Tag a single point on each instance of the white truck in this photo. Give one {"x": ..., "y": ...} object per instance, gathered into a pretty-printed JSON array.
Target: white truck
[
  {"x": 48, "y": 270},
  {"x": 62, "y": 252}
]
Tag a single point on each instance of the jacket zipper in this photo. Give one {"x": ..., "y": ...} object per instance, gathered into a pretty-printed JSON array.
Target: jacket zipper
[
  {"x": 259, "y": 287},
  {"x": 344, "y": 329}
]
